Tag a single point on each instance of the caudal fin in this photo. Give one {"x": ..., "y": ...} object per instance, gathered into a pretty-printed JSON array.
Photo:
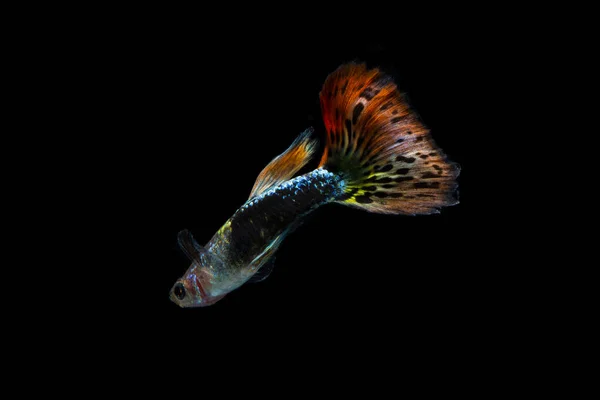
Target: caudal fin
[{"x": 378, "y": 145}]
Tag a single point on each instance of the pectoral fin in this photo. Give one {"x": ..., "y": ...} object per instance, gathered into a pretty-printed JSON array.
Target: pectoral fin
[{"x": 189, "y": 246}]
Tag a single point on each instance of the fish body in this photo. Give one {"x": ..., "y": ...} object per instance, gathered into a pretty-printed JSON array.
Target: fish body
[
  {"x": 378, "y": 157},
  {"x": 250, "y": 238}
]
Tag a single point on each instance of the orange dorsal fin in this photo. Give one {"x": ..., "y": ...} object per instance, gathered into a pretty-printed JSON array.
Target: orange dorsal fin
[{"x": 288, "y": 163}]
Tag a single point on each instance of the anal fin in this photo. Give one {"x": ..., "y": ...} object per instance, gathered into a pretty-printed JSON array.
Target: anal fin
[
  {"x": 264, "y": 271},
  {"x": 261, "y": 266}
]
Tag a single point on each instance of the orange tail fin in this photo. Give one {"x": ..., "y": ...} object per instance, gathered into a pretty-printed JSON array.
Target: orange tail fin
[{"x": 387, "y": 157}]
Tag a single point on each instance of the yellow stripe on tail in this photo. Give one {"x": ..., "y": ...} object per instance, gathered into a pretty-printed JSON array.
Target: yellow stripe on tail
[{"x": 378, "y": 145}]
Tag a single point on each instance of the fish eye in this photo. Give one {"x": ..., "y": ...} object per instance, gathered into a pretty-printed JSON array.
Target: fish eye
[{"x": 179, "y": 291}]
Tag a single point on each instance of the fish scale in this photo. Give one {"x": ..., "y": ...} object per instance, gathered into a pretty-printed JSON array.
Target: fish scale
[{"x": 262, "y": 219}]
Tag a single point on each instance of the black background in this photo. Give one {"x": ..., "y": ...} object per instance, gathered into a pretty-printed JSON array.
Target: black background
[
  {"x": 155, "y": 120},
  {"x": 191, "y": 123}
]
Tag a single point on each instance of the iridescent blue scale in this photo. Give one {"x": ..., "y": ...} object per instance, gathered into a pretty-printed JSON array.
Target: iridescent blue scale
[{"x": 268, "y": 215}]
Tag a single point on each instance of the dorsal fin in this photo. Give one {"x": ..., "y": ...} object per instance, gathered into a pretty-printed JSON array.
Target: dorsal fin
[
  {"x": 189, "y": 246},
  {"x": 284, "y": 166}
]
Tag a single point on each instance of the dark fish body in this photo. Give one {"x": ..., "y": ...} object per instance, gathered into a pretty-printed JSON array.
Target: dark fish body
[
  {"x": 378, "y": 157},
  {"x": 262, "y": 220}
]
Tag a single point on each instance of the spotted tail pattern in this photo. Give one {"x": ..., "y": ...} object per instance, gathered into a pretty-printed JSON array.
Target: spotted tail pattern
[{"x": 378, "y": 145}]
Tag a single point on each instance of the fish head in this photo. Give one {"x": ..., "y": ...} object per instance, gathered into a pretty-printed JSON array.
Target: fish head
[
  {"x": 194, "y": 288},
  {"x": 191, "y": 289}
]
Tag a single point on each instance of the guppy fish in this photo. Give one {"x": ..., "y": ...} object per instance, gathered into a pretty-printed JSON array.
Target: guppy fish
[{"x": 378, "y": 157}]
